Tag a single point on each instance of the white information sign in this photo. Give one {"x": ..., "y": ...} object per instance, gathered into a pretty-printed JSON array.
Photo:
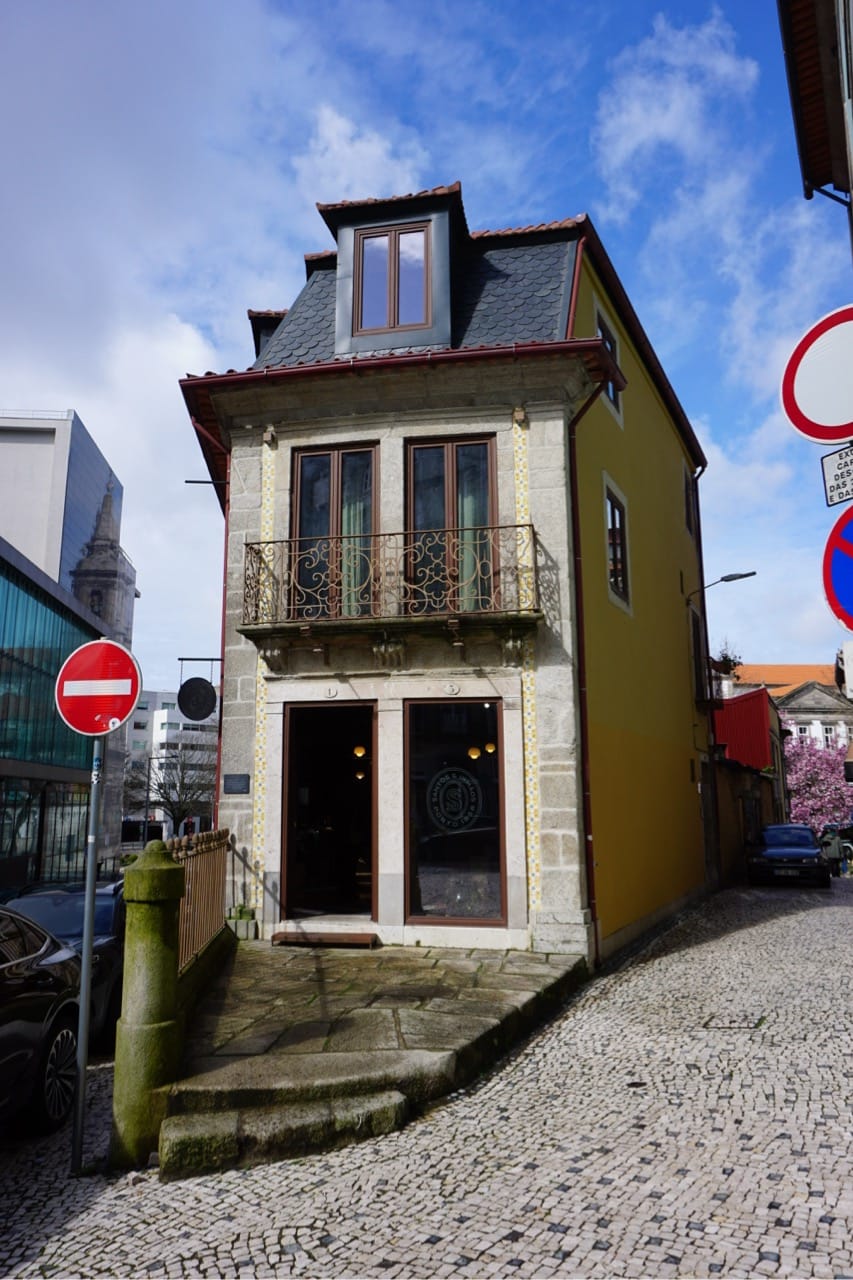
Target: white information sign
[{"x": 838, "y": 476}]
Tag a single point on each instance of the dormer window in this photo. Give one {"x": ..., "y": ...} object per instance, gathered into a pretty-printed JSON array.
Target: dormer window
[
  {"x": 391, "y": 278},
  {"x": 393, "y": 283}
]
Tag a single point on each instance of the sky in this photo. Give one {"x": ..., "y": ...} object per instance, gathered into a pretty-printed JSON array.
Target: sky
[{"x": 161, "y": 167}]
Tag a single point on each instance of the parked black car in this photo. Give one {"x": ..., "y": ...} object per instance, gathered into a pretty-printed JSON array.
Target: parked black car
[
  {"x": 39, "y": 1010},
  {"x": 59, "y": 908},
  {"x": 788, "y": 852}
]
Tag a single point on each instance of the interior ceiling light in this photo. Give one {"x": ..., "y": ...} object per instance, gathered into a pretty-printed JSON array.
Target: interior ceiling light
[
  {"x": 359, "y": 751},
  {"x": 474, "y": 753},
  {"x": 490, "y": 748},
  {"x": 360, "y": 774}
]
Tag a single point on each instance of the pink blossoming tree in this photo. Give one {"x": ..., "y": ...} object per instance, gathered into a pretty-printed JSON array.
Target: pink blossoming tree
[{"x": 816, "y": 783}]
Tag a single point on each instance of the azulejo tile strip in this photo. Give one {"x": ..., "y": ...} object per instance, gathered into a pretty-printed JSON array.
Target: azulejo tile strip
[
  {"x": 268, "y": 456},
  {"x": 520, "y": 428}
]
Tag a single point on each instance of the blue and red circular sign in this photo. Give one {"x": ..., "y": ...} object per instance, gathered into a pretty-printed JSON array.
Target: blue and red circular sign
[{"x": 838, "y": 569}]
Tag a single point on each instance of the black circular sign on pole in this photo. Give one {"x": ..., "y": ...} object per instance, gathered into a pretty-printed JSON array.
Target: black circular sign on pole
[{"x": 197, "y": 698}]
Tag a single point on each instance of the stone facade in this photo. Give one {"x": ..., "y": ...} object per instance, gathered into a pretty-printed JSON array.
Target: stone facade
[{"x": 462, "y": 815}]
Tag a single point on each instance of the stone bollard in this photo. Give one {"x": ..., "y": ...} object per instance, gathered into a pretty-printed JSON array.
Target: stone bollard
[{"x": 148, "y": 1034}]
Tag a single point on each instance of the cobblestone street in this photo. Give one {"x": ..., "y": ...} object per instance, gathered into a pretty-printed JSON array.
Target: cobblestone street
[{"x": 688, "y": 1115}]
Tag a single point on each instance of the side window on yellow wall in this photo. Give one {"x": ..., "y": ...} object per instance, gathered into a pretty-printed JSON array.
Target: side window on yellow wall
[
  {"x": 606, "y": 330},
  {"x": 690, "y": 506},
  {"x": 617, "y": 546}
]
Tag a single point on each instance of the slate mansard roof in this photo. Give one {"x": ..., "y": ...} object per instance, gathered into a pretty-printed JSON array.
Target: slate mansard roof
[
  {"x": 504, "y": 291},
  {"x": 511, "y": 297}
]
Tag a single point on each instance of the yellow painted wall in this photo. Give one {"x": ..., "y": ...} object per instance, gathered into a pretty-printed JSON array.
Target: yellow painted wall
[{"x": 646, "y": 733}]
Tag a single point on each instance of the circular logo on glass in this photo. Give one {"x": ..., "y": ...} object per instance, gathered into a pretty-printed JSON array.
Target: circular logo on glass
[{"x": 454, "y": 799}]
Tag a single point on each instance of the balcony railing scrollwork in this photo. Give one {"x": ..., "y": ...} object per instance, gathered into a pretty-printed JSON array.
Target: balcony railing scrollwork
[{"x": 432, "y": 574}]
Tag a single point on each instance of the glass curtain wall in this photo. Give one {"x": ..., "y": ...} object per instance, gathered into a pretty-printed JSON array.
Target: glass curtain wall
[{"x": 42, "y": 822}]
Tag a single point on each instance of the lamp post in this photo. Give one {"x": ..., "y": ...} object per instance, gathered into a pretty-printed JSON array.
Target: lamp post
[
  {"x": 147, "y": 801},
  {"x": 727, "y": 577}
]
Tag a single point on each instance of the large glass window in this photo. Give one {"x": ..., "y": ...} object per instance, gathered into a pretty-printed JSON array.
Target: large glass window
[
  {"x": 455, "y": 861},
  {"x": 43, "y": 829},
  {"x": 450, "y": 513},
  {"x": 36, "y": 636},
  {"x": 391, "y": 273},
  {"x": 92, "y": 494},
  {"x": 332, "y": 573}
]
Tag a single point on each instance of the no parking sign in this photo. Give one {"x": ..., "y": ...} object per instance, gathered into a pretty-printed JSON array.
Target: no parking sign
[{"x": 838, "y": 569}]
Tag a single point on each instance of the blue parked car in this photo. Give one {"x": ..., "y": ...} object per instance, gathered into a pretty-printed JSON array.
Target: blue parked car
[{"x": 789, "y": 852}]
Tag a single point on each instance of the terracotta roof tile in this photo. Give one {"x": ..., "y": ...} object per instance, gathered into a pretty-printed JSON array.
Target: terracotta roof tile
[
  {"x": 453, "y": 189},
  {"x": 564, "y": 225},
  {"x": 781, "y": 678}
]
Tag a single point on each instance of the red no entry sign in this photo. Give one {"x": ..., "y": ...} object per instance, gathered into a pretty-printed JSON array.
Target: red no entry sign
[
  {"x": 817, "y": 385},
  {"x": 98, "y": 687}
]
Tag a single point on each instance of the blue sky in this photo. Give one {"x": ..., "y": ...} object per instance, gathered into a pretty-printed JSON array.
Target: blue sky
[{"x": 161, "y": 167}]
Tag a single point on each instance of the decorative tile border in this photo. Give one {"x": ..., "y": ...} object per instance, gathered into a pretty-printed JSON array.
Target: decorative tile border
[
  {"x": 520, "y": 428},
  {"x": 267, "y": 530}
]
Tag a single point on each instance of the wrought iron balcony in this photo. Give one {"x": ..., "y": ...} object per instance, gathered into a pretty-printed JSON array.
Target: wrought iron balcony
[{"x": 441, "y": 573}]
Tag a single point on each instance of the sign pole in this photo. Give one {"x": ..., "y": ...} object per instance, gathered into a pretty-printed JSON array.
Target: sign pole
[
  {"x": 86, "y": 969},
  {"x": 97, "y": 689}
]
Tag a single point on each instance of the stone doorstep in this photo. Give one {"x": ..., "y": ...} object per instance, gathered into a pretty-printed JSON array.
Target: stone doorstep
[{"x": 194, "y": 1144}]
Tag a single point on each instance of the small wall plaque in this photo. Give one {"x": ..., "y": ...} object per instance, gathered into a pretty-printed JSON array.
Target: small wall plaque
[{"x": 235, "y": 784}]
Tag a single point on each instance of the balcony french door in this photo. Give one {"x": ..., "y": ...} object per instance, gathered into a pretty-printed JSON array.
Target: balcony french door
[
  {"x": 450, "y": 504},
  {"x": 334, "y": 522}
]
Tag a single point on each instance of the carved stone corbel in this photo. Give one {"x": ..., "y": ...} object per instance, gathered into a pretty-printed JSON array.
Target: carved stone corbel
[{"x": 389, "y": 654}]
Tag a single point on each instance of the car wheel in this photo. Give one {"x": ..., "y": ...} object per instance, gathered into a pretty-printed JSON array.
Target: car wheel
[{"x": 57, "y": 1079}]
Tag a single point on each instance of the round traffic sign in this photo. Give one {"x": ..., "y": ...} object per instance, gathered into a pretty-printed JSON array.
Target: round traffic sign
[
  {"x": 817, "y": 385},
  {"x": 98, "y": 687},
  {"x": 838, "y": 569}
]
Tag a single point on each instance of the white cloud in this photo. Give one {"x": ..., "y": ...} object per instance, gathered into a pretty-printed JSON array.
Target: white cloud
[
  {"x": 666, "y": 102},
  {"x": 172, "y": 532},
  {"x": 346, "y": 162}
]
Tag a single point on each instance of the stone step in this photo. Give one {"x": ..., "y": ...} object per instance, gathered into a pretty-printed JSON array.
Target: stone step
[
  {"x": 207, "y": 1142},
  {"x": 323, "y": 938},
  {"x": 279, "y": 1080}
]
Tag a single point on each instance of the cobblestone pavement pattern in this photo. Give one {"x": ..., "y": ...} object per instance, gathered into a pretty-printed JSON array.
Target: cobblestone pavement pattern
[{"x": 689, "y": 1114}]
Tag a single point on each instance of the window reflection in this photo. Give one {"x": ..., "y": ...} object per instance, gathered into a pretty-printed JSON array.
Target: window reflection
[{"x": 454, "y": 812}]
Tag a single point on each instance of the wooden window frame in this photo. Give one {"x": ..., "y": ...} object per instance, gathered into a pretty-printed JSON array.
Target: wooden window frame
[
  {"x": 337, "y": 450},
  {"x": 606, "y": 331},
  {"x": 619, "y": 585},
  {"x": 392, "y": 302},
  {"x": 450, "y": 445},
  {"x": 454, "y": 922}
]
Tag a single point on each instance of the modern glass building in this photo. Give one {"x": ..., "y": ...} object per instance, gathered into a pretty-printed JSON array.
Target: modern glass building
[
  {"x": 64, "y": 579},
  {"x": 45, "y": 768}
]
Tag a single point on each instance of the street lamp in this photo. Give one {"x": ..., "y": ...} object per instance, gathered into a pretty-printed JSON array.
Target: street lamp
[{"x": 727, "y": 577}]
